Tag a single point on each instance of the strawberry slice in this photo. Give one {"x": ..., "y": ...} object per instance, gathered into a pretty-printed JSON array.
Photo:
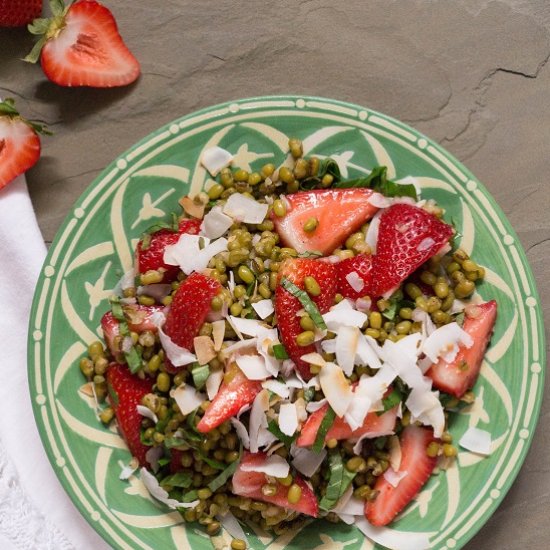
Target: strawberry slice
[
  {"x": 417, "y": 466},
  {"x": 82, "y": 47},
  {"x": 235, "y": 392},
  {"x": 125, "y": 394},
  {"x": 18, "y": 13},
  {"x": 188, "y": 311},
  {"x": 139, "y": 320},
  {"x": 362, "y": 266},
  {"x": 408, "y": 236},
  {"x": 375, "y": 425},
  {"x": 249, "y": 484},
  {"x": 339, "y": 213},
  {"x": 459, "y": 376},
  {"x": 150, "y": 255},
  {"x": 287, "y": 305},
  {"x": 19, "y": 143}
]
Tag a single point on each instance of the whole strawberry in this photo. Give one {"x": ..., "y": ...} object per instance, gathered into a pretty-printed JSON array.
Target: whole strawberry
[
  {"x": 81, "y": 46},
  {"x": 19, "y": 142},
  {"x": 17, "y": 13},
  {"x": 125, "y": 393}
]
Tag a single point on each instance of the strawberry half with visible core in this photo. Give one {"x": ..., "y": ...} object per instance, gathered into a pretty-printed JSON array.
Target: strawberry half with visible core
[
  {"x": 362, "y": 265},
  {"x": 81, "y": 46},
  {"x": 19, "y": 143},
  {"x": 459, "y": 376},
  {"x": 188, "y": 310},
  {"x": 125, "y": 394},
  {"x": 17, "y": 13},
  {"x": 150, "y": 252},
  {"x": 287, "y": 305},
  {"x": 417, "y": 466},
  {"x": 339, "y": 213},
  {"x": 232, "y": 396},
  {"x": 408, "y": 236},
  {"x": 249, "y": 484}
]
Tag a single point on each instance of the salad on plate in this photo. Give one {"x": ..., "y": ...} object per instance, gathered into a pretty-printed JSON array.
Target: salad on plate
[{"x": 292, "y": 346}]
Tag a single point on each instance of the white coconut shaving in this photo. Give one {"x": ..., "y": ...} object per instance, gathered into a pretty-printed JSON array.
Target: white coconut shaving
[
  {"x": 250, "y": 327},
  {"x": 313, "y": 406},
  {"x": 258, "y": 420},
  {"x": 218, "y": 334},
  {"x": 477, "y": 441},
  {"x": 393, "y": 477},
  {"x": 343, "y": 314},
  {"x": 336, "y": 388},
  {"x": 231, "y": 524},
  {"x": 425, "y": 244},
  {"x": 215, "y": 159},
  {"x": 279, "y": 388},
  {"x": 313, "y": 358},
  {"x": 288, "y": 419},
  {"x": 371, "y": 236},
  {"x": 187, "y": 398},
  {"x": 242, "y": 432},
  {"x": 347, "y": 340},
  {"x": 444, "y": 342},
  {"x": 215, "y": 223},
  {"x": 264, "y": 308},
  {"x": 274, "y": 466},
  {"x": 394, "y": 540},
  {"x": 355, "y": 281},
  {"x": 379, "y": 200},
  {"x": 367, "y": 352},
  {"x": 253, "y": 367},
  {"x": 147, "y": 413},
  {"x": 213, "y": 383},
  {"x": 306, "y": 461},
  {"x": 245, "y": 209},
  {"x": 152, "y": 456},
  {"x": 129, "y": 469},
  {"x": 158, "y": 493}
]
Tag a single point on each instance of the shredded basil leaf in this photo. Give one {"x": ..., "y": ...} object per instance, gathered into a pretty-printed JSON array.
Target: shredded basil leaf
[
  {"x": 200, "y": 375},
  {"x": 326, "y": 423},
  {"x": 190, "y": 496},
  {"x": 217, "y": 482},
  {"x": 279, "y": 352},
  {"x": 180, "y": 479},
  {"x": 310, "y": 254},
  {"x": 164, "y": 461},
  {"x": 172, "y": 442},
  {"x": 133, "y": 357},
  {"x": 273, "y": 427},
  {"x": 216, "y": 464},
  {"x": 340, "y": 479},
  {"x": 391, "y": 400},
  {"x": 377, "y": 181},
  {"x": 306, "y": 301}
]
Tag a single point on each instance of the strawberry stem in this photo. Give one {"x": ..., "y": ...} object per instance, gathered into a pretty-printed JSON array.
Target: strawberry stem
[{"x": 7, "y": 108}]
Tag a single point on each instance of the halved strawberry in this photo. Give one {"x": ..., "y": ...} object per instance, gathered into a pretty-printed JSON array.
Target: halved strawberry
[
  {"x": 339, "y": 212},
  {"x": 374, "y": 424},
  {"x": 459, "y": 376},
  {"x": 235, "y": 392},
  {"x": 417, "y": 466},
  {"x": 287, "y": 305},
  {"x": 362, "y": 265},
  {"x": 125, "y": 393},
  {"x": 81, "y": 46},
  {"x": 19, "y": 143},
  {"x": 188, "y": 310},
  {"x": 139, "y": 320},
  {"x": 407, "y": 237},
  {"x": 150, "y": 255},
  {"x": 249, "y": 484},
  {"x": 17, "y": 13}
]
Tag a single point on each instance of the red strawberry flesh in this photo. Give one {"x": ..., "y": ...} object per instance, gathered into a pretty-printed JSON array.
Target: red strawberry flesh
[
  {"x": 249, "y": 484},
  {"x": 18, "y": 13},
  {"x": 362, "y": 266},
  {"x": 418, "y": 467},
  {"x": 459, "y": 376},
  {"x": 339, "y": 213},
  {"x": 287, "y": 305},
  {"x": 230, "y": 399},
  {"x": 125, "y": 393}
]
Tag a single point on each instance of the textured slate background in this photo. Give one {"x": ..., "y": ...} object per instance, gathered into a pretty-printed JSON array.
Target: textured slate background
[{"x": 472, "y": 74}]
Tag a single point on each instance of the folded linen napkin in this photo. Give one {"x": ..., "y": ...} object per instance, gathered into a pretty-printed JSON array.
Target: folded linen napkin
[{"x": 35, "y": 512}]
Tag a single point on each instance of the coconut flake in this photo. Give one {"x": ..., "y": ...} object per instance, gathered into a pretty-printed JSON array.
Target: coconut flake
[
  {"x": 157, "y": 492},
  {"x": 314, "y": 358},
  {"x": 306, "y": 461},
  {"x": 194, "y": 209},
  {"x": 147, "y": 413},
  {"x": 288, "y": 419},
  {"x": 152, "y": 456},
  {"x": 367, "y": 352},
  {"x": 274, "y": 466},
  {"x": 177, "y": 355},
  {"x": 443, "y": 342},
  {"x": 379, "y": 200},
  {"x": 215, "y": 159},
  {"x": 187, "y": 398},
  {"x": 343, "y": 314},
  {"x": 245, "y": 209},
  {"x": 250, "y": 327},
  {"x": 253, "y": 367},
  {"x": 394, "y": 540},
  {"x": 423, "y": 317},
  {"x": 215, "y": 223},
  {"x": 363, "y": 304},
  {"x": 129, "y": 469},
  {"x": 335, "y": 387},
  {"x": 347, "y": 341},
  {"x": 218, "y": 334},
  {"x": 213, "y": 383},
  {"x": 424, "y": 405},
  {"x": 242, "y": 432},
  {"x": 313, "y": 406},
  {"x": 355, "y": 281},
  {"x": 395, "y": 452},
  {"x": 282, "y": 390},
  {"x": 204, "y": 349},
  {"x": 258, "y": 419},
  {"x": 477, "y": 441},
  {"x": 188, "y": 254},
  {"x": 371, "y": 236},
  {"x": 393, "y": 477},
  {"x": 264, "y": 308},
  {"x": 231, "y": 524}
]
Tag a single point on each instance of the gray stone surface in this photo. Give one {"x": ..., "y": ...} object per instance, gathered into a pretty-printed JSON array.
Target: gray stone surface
[{"x": 474, "y": 75}]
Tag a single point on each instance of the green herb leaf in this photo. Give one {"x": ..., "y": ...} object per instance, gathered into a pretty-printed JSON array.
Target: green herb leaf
[
  {"x": 190, "y": 496},
  {"x": 391, "y": 400},
  {"x": 326, "y": 423},
  {"x": 309, "y": 394},
  {"x": 133, "y": 357},
  {"x": 279, "y": 352},
  {"x": 216, "y": 464},
  {"x": 306, "y": 301},
  {"x": 174, "y": 442},
  {"x": 273, "y": 427},
  {"x": 164, "y": 461},
  {"x": 217, "y": 482},
  {"x": 180, "y": 479},
  {"x": 310, "y": 254},
  {"x": 200, "y": 375},
  {"x": 377, "y": 181},
  {"x": 340, "y": 479}
]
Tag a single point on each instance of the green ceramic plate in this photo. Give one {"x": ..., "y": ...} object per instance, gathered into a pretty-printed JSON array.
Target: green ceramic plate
[{"x": 94, "y": 247}]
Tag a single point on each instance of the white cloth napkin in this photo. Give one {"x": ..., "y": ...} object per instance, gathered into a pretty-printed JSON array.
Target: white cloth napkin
[{"x": 35, "y": 512}]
